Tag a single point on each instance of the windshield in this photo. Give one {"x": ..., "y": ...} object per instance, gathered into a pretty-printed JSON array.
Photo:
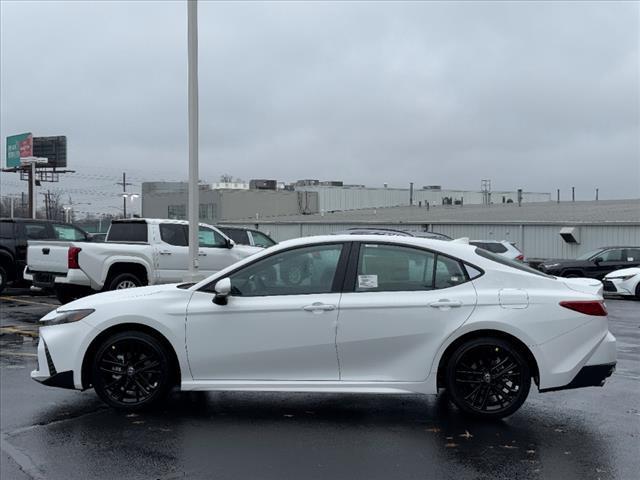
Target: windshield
[
  {"x": 510, "y": 263},
  {"x": 588, "y": 255}
]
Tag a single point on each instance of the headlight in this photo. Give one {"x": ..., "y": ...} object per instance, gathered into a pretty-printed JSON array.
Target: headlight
[
  {"x": 550, "y": 265},
  {"x": 67, "y": 317},
  {"x": 623, "y": 278}
]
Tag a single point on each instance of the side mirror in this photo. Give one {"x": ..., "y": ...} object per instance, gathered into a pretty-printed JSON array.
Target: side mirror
[
  {"x": 222, "y": 289},
  {"x": 598, "y": 260},
  {"x": 229, "y": 243}
]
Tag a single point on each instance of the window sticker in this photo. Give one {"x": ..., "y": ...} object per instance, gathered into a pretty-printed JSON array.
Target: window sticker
[
  {"x": 629, "y": 259},
  {"x": 367, "y": 281},
  {"x": 455, "y": 279}
]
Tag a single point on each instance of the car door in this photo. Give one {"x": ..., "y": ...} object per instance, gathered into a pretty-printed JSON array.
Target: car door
[
  {"x": 172, "y": 253},
  {"x": 275, "y": 326},
  {"x": 214, "y": 253},
  {"x": 610, "y": 260},
  {"x": 402, "y": 304}
]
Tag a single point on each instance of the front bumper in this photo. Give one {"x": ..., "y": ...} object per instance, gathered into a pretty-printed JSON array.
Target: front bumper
[{"x": 618, "y": 287}]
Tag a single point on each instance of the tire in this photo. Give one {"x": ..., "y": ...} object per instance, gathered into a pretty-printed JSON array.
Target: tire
[
  {"x": 131, "y": 371},
  {"x": 65, "y": 295},
  {"x": 638, "y": 291},
  {"x": 124, "y": 280},
  {"x": 3, "y": 278},
  {"x": 478, "y": 382},
  {"x": 572, "y": 275}
]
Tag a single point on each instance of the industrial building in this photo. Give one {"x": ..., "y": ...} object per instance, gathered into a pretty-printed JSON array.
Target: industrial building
[
  {"x": 266, "y": 198},
  {"x": 534, "y": 227}
]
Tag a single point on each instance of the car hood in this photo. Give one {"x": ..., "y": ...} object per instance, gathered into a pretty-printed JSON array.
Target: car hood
[
  {"x": 118, "y": 295},
  {"x": 624, "y": 272}
]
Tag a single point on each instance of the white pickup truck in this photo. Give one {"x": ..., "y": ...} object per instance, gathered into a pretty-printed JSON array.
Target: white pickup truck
[{"x": 136, "y": 252}]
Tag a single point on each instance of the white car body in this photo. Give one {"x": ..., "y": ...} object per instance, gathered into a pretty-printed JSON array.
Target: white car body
[
  {"x": 623, "y": 282},
  {"x": 344, "y": 341},
  {"x": 162, "y": 262}
]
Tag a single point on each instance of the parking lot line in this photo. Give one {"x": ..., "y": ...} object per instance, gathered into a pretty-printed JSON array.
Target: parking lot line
[{"x": 13, "y": 299}]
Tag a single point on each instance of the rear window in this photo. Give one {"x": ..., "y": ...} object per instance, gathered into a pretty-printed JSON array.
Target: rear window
[
  {"x": 509, "y": 263},
  {"x": 6, "y": 230},
  {"x": 127, "y": 232},
  {"x": 490, "y": 246}
]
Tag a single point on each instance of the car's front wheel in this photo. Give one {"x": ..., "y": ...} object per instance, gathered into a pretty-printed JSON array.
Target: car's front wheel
[
  {"x": 131, "y": 370},
  {"x": 488, "y": 378}
]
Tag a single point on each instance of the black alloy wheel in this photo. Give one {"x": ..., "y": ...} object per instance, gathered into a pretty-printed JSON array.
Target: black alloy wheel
[
  {"x": 131, "y": 370},
  {"x": 488, "y": 378}
]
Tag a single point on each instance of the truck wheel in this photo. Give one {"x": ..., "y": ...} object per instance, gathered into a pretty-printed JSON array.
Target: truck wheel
[
  {"x": 124, "y": 280},
  {"x": 66, "y": 295},
  {"x": 3, "y": 278}
]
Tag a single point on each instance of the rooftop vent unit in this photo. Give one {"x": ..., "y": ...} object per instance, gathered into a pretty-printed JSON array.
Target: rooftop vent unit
[{"x": 570, "y": 235}]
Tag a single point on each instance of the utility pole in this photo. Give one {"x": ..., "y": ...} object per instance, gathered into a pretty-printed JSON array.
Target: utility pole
[
  {"x": 124, "y": 184},
  {"x": 597, "y": 191},
  {"x": 192, "y": 56},
  {"x": 573, "y": 194}
]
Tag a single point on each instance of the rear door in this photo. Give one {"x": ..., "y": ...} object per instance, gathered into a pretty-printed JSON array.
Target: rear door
[
  {"x": 399, "y": 305},
  {"x": 172, "y": 252}
]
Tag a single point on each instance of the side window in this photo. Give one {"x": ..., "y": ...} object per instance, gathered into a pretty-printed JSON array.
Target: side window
[
  {"x": 6, "y": 230},
  {"x": 210, "y": 238},
  {"x": 67, "y": 232},
  {"x": 389, "y": 268},
  {"x": 449, "y": 272},
  {"x": 301, "y": 271},
  {"x": 496, "y": 247},
  {"x": 632, "y": 255},
  {"x": 237, "y": 235},
  {"x": 173, "y": 234},
  {"x": 128, "y": 232},
  {"x": 36, "y": 231},
  {"x": 261, "y": 240},
  {"x": 613, "y": 255}
]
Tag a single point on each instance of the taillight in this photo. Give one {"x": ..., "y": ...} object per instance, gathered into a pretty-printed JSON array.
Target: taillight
[
  {"x": 588, "y": 307},
  {"x": 72, "y": 257},
  {"x": 520, "y": 257}
]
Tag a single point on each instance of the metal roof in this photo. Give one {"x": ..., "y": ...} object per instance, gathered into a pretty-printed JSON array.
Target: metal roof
[{"x": 570, "y": 213}]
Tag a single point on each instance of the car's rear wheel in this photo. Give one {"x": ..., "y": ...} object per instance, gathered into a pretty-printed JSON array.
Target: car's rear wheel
[
  {"x": 638, "y": 291},
  {"x": 3, "y": 278},
  {"x": 131, "y": 370},
  {"x": 488, "y": 378},
  {"x": 124, "y": 280}
]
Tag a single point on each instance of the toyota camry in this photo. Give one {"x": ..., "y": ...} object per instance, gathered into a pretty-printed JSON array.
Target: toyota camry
[{"x": 341, "y": 313}]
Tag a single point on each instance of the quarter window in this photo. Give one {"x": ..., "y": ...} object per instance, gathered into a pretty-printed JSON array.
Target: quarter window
[
  {"x": 301, "y": 271},
  {"x": 261, "y": 240}
]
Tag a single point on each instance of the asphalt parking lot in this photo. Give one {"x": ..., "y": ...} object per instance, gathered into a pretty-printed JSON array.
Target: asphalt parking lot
[{"x": 589, "y": 433}]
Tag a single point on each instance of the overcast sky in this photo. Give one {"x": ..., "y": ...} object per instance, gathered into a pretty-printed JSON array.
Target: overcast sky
[{"x": 533, "y": 95}]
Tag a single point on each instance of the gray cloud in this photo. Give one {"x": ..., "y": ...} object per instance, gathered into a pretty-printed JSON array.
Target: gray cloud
[{"x": 533, "y": 95}]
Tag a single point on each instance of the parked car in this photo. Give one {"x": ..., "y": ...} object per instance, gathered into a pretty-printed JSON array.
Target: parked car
[
  {"x": 594, "y": 264},
  {"x": 623, "y": 282},
  {"x": 390, "y": 231},
  {"x": 136, "y": 252},
  {"x": 16, "y": 232},
  {"x": 383, "y": 315},
  {"x": 247, "y": 236},
  {"x": 500, "y": 247}
]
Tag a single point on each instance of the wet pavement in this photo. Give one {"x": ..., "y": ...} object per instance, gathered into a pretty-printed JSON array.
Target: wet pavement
[{"x": 591, "y": 433}]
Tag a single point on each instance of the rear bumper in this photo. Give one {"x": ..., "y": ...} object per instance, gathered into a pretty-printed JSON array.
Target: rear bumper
[
  {"x": 588, "y": 376},
  {"x": 73, "y": 277}
]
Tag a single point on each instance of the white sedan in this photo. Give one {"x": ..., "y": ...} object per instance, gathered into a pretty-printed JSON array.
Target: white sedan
[
  {"x": 623, "y": 282},
  {"x": 340, "y": 313}
]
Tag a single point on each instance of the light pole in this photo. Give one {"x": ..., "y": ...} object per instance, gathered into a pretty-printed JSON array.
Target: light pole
[
  {"x": 192, "y": 54},
  {"x": 132, "y": 197}
]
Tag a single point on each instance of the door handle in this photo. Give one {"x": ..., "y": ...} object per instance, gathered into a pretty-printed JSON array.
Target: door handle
[
  {"x": 444, "y": 303},
  {"x": 319, "y": 307},
  {"x": 164, "y": 252}
]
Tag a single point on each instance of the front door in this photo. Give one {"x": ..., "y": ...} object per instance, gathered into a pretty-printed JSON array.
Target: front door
[
  {"x": 404, "y": 304},
  {"x": 279, "y": 322}
]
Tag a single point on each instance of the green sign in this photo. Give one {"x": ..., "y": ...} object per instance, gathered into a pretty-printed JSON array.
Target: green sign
[{"x": 18, "y": 146}]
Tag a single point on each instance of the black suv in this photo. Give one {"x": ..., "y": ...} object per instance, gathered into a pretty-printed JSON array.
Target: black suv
[
  {"x": 595, "y": 264},
  {"x": 14, "y": 233}
]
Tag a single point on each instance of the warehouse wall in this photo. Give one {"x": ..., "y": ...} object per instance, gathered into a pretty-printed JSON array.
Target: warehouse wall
[
  {"x": 353, "y": 198},
  {"x": 535, "y": 240}
]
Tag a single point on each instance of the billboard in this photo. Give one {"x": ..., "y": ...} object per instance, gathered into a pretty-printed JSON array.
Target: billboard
[
  {"x": 52, "y": 148},
  {"x": 19, "y": 146}
]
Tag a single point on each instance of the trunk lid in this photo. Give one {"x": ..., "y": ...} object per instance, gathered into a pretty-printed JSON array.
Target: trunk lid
[{"x": 584, "y": 285}]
